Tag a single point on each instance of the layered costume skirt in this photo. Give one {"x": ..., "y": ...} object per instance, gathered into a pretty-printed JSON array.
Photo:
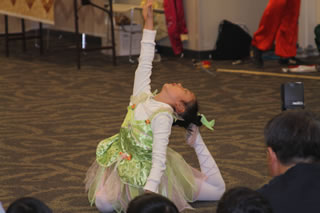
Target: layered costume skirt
[
  {"x": 123, "y": 163},
  {"x": 178, "y": 184}
]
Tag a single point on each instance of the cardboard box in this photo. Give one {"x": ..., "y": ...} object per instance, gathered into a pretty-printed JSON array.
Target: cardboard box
[{"x": 122, "y": 39}]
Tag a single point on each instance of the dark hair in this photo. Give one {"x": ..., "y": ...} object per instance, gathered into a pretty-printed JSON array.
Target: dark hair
[
  {"x": 294, "y": 136},
  {"x": 28, "y": 205},
  {"x": 151, "y": 203},
  {"x": 243, "y": 200},
  {"x": 190, "y": 115}
]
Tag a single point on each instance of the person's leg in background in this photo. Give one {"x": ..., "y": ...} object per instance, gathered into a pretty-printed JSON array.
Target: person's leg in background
[
  {"x": 170, "y": 10},
  {"x": 263, "y": 39},
  {"x": 180, "y": 17},
  {"x": 287, "y": 35}
]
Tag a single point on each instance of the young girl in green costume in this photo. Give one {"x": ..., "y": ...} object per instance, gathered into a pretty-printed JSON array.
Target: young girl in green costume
[{"x": 138, "y": 160}]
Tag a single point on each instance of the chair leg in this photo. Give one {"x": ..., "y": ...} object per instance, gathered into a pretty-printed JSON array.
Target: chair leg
[
  {"x": 23, "y": 29},
  {"x": 131, "y": 34},
  {"x": 6, "y": 34},
  {"x": 112, "y": 34},
  {"x": 75, "y": 3},
  {"x": 41, "y": 38}
]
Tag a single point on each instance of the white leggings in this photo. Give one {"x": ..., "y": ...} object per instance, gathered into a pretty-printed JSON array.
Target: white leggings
[
  {"x": 214, "y": 187},
  {"x": 209, "y": 192}
]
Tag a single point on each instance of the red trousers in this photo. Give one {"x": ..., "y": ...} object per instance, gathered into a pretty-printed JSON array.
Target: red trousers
[
  {"x": 176, "y": 25},
  {"x": 279, "y": 24}
]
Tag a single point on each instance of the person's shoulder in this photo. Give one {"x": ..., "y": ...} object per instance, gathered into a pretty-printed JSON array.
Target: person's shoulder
[
  {"x": 140, "y": 98},
  {"x": 280, "y": 184},
  {"x": 274, "y": 186},
  {"x": 306, "y": 167},
  {"x": 162, "y": 115}
]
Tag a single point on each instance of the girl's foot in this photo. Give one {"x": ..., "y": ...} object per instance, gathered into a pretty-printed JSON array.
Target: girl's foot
[{"x": 192, "y": 134}]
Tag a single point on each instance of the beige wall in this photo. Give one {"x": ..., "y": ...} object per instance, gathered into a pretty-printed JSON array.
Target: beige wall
[
  {"x": 207, "y": 15},
  {"x": 308, "y": 20},
  {"x": 202, "y": 17},
  {"x": 318, "y": 12},
  {"x": 192, "y": 10}
]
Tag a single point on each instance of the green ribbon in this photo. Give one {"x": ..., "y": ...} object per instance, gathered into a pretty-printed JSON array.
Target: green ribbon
[
  {"x": 155, "y": 92},
  {"x": 206, "y": 123}
]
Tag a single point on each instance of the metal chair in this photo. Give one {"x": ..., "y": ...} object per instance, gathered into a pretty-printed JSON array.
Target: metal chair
[
  {"x": 21, "y": 36},
  {"x": 109, "y": 11}
]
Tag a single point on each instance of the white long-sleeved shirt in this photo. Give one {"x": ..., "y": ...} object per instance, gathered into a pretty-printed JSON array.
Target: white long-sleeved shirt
[{"x": 161, "y": 124}]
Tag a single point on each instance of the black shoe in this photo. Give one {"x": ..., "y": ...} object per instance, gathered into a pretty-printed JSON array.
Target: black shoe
[
  {"x": 257, "y": 57},
  {"x": 291, "y": 61}
]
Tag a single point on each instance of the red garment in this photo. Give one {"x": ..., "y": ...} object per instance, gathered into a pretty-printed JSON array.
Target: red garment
[
  {"x": 176, "y": 24},
  {"x": 279, "y": 23}
]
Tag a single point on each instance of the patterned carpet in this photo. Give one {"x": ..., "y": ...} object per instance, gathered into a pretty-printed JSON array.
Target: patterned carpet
[{"x": 52, "y": 116}]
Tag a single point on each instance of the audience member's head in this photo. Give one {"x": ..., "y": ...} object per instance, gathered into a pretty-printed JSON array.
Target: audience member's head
[
  {"x": 292, "y": 137},
  {"x": 28, "y": 205},
  {"x": 243, "y": 200},
  {"x": 151, "y": 203}
]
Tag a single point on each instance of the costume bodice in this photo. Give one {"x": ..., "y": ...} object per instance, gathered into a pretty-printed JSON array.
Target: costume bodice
[{"x": 130, "y": 150}]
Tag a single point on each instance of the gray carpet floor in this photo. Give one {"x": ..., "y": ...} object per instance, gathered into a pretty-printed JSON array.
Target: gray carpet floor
[{"x": 52, "y": 117}]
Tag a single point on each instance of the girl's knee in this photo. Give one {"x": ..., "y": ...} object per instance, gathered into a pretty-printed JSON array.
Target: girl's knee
[
  {"x": 210, "y": 192},
  {"x": 221, "y": 190},
  {"x": 103, "y": 205}
]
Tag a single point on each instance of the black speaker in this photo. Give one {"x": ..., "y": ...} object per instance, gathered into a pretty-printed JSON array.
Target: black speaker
[{"x": 292, "y": 95}]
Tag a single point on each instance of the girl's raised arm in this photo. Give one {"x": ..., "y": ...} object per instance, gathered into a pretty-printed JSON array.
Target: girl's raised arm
[{"x": 142, "y": 75}]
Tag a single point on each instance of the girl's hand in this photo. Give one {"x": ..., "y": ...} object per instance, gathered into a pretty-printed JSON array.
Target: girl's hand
[{"x": 147, "y": 13}]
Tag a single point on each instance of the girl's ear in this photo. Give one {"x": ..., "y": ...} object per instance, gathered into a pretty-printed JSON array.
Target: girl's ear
[{"x": 180, "y": 107}]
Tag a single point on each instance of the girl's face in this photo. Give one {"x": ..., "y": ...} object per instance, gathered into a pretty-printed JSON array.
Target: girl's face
[{"x": 178, "y": 93}]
